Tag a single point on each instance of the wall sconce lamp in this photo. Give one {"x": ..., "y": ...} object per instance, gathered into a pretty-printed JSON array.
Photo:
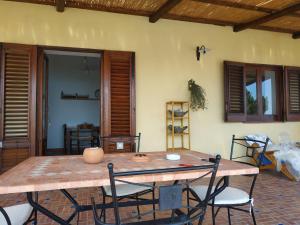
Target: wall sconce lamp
[{"x": 200, "y": 50}]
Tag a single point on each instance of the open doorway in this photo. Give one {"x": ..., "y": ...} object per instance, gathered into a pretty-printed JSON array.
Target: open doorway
[
  {"x": 71, "y": 101},
  {"x": 83, "y": 87}
]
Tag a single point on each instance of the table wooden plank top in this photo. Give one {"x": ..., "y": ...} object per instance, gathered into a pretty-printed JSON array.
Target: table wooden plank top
[{"x": 64, "y": 172}]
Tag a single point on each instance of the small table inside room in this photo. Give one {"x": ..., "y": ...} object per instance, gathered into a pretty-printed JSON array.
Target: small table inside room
[
  {"x": 88, "y": 133},
  {"x": 50, "y": 173}
]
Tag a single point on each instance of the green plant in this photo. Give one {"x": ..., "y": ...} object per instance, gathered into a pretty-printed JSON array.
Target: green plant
[{"x": 198, "y": 96}]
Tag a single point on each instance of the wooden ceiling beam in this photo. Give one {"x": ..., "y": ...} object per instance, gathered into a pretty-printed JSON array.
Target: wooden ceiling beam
[
  {"x": 60, "y": 5},
  {"x": 267, "y": 18},
  {"x": 296, "y": 35},
  {"x": 223, "y": 23},
  {"x": 198, "y": 20},
  {"x": 173, "y": 17},
  {"x": 33, "y": 2},
  {"x": 238, "y": 5},
  {"x": 164, "y": 9}
]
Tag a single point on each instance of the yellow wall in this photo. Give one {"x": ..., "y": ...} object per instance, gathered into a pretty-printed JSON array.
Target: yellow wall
[{"x": 165, "y": 61}]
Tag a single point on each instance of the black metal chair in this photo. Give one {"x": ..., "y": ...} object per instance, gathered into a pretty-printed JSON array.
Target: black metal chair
[
  {"x": 125, "y": 191},
  {"x": 170, "y": 196},
  {"x": 231, "y": 197},
  {"x": 17, "y": 215}
]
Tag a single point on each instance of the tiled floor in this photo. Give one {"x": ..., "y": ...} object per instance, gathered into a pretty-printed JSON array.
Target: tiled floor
[{"x": 277, "y": 201}]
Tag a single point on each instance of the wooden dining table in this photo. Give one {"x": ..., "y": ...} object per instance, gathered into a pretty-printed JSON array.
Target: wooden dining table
[{"x": 48, "y": 173}]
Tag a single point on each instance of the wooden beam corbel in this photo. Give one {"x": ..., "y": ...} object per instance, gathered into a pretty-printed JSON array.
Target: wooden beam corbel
[
  {"x": 296, "y": 35},
  {"x": 60, "y": 5},
  {"x": 265, "y": 19},
  {"x": 165, "y": 8}
]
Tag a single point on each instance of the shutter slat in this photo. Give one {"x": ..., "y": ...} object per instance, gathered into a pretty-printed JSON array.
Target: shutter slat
[
  {"x": 294, "y": 93},
  {"x": 292, "y": 79},
  {"x": 234, "y": 92},
  {"x": 117, "y": 67},
  {"x": 16, "y": 99},
  {"x": 120, "y": 96}
]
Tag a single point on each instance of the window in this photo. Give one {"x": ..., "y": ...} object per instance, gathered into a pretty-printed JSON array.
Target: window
[
  {"x": 262, "y": 92},
  {"x": 253, "y": 92}
]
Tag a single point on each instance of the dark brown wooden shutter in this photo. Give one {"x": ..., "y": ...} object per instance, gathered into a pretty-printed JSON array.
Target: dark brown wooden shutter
[
  {"x": 119, "y": 94},
  {"x": 292, "y": 92},
  {"x": 18, "y": 77},
  {"x": 235, "y": 110}
]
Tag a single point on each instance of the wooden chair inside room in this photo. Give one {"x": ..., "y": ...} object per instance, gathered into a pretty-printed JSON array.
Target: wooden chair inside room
[{"x": 82, "y": 138}]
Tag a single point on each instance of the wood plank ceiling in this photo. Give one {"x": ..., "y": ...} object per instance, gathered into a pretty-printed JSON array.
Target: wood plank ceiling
[{"x": 272, "y": 15}]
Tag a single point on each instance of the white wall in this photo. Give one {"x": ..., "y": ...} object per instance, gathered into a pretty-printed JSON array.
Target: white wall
[{"x": 68, "y": 74}]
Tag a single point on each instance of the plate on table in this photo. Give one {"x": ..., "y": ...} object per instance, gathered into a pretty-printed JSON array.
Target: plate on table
[{"x": 173, "y": 157}]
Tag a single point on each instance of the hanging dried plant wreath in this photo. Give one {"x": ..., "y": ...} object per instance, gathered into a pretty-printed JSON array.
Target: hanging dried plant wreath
[{"x": 198, "y": 96}]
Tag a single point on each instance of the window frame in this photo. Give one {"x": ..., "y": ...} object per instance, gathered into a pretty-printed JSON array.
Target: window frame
[
  {"x": 259, "y": 117},
  {"x": 260, "y": 69}
]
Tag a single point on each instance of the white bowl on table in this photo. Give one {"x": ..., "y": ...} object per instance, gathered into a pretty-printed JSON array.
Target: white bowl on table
[{"x": 173, "y": 157}]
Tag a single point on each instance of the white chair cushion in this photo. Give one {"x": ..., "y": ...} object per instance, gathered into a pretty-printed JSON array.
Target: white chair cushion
[
  {"x": 125, "y": 189},
  {"x": 18, "y": 214},
  {"x": 229, "y": 196}
]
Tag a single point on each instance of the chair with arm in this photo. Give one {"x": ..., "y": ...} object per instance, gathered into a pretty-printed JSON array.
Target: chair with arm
[
  {"x": 231, "y": 197},
  {"x": 171, "y": 197},
  {"x": 17, "y": 215}
]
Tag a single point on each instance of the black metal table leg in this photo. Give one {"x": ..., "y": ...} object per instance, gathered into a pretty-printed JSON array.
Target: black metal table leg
[
  {"x": 78, "y": 208},
  {"x": 33, "y": 216},
  {"x": 35, "y": 211},
  {"x": 45, "y": 211},
  {"x": 51, "y": 215}
]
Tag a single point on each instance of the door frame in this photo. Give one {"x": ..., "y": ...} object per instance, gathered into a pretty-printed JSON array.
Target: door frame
[{"x": 40, "y": 81}]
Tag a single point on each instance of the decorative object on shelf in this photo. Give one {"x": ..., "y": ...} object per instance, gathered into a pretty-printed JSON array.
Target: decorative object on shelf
[
  {"x": 178, "y": 125},
  {"x": 177, "y": 129},
  {"x": 76, "y": 96},
  {"x": 198, "y": 96},
  {"x": 178, "y": 113},
  {"x": 140, "y": 157},
  {"x": 93, "y": 155},
  {"x": 200, "y": 50}
]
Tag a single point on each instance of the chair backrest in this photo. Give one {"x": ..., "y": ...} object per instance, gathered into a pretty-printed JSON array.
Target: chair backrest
[
  {"x": 170, "y": 196},
  {"x": 128, "y": 143},
  {"x": 85, "y": 129},
  {"x": 246, "y": 150},
  {"x": 85, "y": 126},
  {"x": 242, "y": 143}
]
